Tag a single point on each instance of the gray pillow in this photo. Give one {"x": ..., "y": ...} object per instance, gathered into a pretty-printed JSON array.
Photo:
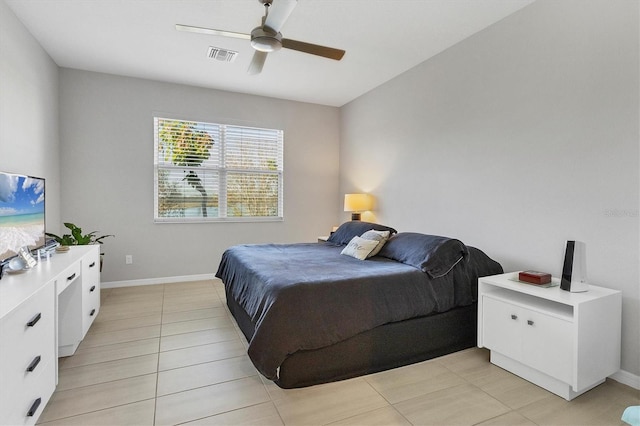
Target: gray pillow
[
  {"x": 355, "y": 228},
  {"x": 380, "y": 236},
  {"x": 432, "y": 254}
]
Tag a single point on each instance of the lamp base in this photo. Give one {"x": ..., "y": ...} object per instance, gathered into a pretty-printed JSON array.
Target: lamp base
[{"x": 355, "y": 216}]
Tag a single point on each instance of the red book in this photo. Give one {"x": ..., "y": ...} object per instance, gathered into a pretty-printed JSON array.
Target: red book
[{"x": 535, "y": 277}]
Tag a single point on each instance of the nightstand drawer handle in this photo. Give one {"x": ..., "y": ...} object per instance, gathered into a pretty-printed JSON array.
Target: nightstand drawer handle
[
  {"x": 34, "y": 364},
  {"x": 93, "y": 311},
  {"x": 529, "y": 322},
  {"x": 34, "y": 407},
  {"x": 92, "y": 264},
  {"x": 514, "y": 317},
  {"x": 72, "y": 276},
  {"x": 34, "y": 320},
  {"x": 93, "y": 287}
]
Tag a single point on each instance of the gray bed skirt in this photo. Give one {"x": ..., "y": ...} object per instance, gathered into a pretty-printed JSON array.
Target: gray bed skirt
[{"x": 382, "y": 348}]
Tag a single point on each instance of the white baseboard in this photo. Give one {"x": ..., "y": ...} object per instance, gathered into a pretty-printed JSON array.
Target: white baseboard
[
  {"x": 626, "y": 378},
  {"x": 161, "y": 280}
]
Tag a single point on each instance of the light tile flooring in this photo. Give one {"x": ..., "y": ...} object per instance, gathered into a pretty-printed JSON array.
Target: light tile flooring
[{"x": 172, "y": 354}]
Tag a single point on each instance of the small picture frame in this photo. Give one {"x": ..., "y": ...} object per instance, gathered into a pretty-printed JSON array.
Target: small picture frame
[{"x": 25, "y": 254}]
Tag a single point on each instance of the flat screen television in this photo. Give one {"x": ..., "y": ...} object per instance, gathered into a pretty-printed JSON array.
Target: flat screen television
[{"x": 22, "y": 211}]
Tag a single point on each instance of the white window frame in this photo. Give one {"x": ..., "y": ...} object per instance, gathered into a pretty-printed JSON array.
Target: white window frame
[{"x": 223, "y": 170}]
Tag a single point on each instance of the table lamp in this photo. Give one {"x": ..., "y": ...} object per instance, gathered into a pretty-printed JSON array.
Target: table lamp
[{"x": 357, "y": 203}]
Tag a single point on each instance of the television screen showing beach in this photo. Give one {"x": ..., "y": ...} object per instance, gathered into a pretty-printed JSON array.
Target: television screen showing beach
[{"x": 21, "y": 213}]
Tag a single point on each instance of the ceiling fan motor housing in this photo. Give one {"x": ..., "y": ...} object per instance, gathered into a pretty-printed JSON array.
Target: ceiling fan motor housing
[{"x": 265, "y": 39}]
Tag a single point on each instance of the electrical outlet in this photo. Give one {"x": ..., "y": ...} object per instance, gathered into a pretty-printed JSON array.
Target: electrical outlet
[{"x": 128, "y": 259}]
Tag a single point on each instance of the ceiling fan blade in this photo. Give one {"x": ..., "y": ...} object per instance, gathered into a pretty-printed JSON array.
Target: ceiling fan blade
[
  {"x": 209, "y": 31},
  {"x": 314, "y": 49},
  {"x": 279, "y": 11},
  {"x": 257, "y": 62}
]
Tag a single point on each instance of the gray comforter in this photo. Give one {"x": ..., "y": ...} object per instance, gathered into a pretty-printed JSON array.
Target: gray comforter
[{"x": 307, "y": 296}]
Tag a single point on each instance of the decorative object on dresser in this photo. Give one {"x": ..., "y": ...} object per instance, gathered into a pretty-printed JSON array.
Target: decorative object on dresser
[
  {"x": 77, "y": 238},
  {"x": 357, "y": 203},
  {"x": 574, "y": 270},
  {"x": 25, "y": 255},
  {"x": 43, "y": 314},
  {"x": 564, "y": 342}
]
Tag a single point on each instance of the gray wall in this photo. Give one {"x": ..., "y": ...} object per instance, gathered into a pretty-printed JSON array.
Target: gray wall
[
  {"x": 107, "y": 171},
  {"x": 515, "y": 140},
  {"x": 29, "y": 142}
]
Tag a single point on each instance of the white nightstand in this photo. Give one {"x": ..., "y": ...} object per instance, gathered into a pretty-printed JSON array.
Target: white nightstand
[
  {"x": 323, "y": 239},
  {"x": 564, "y": 342}
]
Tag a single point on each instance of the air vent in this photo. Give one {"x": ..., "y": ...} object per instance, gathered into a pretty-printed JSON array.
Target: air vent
[{"x": 221, "y": 54}]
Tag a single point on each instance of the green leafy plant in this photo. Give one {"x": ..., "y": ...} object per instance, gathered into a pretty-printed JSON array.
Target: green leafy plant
[{"x": 76, "y": 238}]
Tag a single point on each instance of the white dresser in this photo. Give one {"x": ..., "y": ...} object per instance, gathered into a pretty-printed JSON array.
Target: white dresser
[
  {"x": 564, "y": 342},
  {"x": 44, "y": 313}
]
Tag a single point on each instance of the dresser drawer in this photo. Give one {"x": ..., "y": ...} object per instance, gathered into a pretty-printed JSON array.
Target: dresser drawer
[
  {"x": 90, "y": 308},
  {"x": 27, "y": 356},
  {"x": 27, "y": 401},
  {"x": 68, "y": 276},
  {"x": 90, "y": 289},
  {"x": 30, "y": 326}
]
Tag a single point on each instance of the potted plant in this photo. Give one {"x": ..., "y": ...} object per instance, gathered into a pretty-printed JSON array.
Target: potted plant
[{"x": 77, "y": 238}]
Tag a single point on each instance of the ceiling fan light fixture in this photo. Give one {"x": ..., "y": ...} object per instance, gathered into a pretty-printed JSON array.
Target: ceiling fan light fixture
[
  {"x": 265, "y": 41},
  {"x": 266, "y": 38}
]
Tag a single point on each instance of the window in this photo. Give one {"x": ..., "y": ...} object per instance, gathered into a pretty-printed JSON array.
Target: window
[{"x": 207, "y": 172}]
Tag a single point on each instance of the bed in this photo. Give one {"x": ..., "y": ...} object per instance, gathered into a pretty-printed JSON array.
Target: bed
[{"x": 315, "y": 313}]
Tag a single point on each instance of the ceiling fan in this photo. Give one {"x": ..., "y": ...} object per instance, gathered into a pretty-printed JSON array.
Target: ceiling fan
[{"x": 267, "y": 38}]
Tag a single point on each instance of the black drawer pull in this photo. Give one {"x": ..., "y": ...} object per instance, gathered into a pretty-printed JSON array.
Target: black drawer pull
[
  {"x": 93, "y": 287},
  {"x": 34, "y": 364},
  {"x": 34, "y": 320},
  {"x": 514, "y": 317},
  {"x": 93, "y": 311},
  {"x": 34, "y": 407},
  {"x": 92, "y": 264},
  {"x": 72, "y": 276},
  {"x": 529, "y": 322}
]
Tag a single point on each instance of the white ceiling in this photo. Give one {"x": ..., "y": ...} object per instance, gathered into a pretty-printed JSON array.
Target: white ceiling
[{"x": 137, "y": 38}]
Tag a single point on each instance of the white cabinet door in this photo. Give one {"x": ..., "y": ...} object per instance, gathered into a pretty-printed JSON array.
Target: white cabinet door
[
  {"x": 502, "y": 327},
  {"x": 533, "y": 338},
  {"x": 547, "y": 344}
]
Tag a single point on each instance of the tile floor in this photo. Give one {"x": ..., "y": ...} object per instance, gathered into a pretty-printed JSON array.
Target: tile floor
[{"x": 172, "y": 354}]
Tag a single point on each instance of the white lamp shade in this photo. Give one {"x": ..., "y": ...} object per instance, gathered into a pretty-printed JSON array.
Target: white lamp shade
[{"x": 357, "y": 202}]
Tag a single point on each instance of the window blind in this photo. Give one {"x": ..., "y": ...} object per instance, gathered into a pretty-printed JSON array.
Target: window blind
[{"x": 216, "y": 172}]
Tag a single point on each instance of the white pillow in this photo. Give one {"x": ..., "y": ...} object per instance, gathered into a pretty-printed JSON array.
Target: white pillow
[
  {"x": 359, "y": 248},
  {"x": 380, "y": 236}
]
